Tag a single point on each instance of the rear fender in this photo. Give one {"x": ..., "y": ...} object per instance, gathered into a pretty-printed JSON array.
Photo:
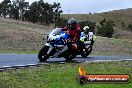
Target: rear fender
[
  {"x": 87, "y": 46},
  {"x": 87, "y": 42}
]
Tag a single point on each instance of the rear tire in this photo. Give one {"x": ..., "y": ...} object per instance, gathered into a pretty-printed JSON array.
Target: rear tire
[
  {"x": 43, "y": 56},
  {"x": 86, "y": 52},
  {"x": 69, "y": 56}
]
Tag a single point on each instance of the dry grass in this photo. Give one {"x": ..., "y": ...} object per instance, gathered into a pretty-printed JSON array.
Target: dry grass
[
  {"x": 21, "y": 36},
  {"x": 20, "y": 40},
  {"x": 112, "y": 46},
  {"x": 23, "y": 26}
]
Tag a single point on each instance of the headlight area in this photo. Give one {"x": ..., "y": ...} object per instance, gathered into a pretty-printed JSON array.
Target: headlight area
[{"x": 51, "y": 40}]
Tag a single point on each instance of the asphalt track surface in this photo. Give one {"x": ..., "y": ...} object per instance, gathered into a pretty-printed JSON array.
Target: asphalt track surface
[{"x": 10, "y": 60}]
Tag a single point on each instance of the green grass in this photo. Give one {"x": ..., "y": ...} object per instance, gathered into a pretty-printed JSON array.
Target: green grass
[{"x": 63, "y": 75}]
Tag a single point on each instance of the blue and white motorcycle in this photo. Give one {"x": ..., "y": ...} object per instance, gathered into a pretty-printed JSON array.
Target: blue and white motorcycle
[{"x": 56, "y": 46}]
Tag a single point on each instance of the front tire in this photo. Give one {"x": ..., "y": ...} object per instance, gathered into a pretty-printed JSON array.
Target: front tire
[{"x": 43, "y": 56}]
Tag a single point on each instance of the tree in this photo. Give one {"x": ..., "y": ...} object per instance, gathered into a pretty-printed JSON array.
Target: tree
[
  {"x": 33, "y": 12},
  {"x": 18, "y": 9},
  {"x": 4, "y": 8},
  {"x": 23, "y": 6},
  {"x": 105, "y": 28},
  {"x": 37, "y": 12},
  {"x": 43, "y": 11},
  {"x": 40, "y": 12},
  {"x": 57, "y": 13},
  {"x": 50, "y": 18},
  {"x": 0, "y": 9},
  {"x": 62, "y": 22},
  {"x": 14, "y": 10}
]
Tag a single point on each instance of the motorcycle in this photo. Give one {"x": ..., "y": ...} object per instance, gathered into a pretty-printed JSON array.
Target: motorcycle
[
  {"x": 56, "y": 46},
  {"x": 85, "y": 44}
]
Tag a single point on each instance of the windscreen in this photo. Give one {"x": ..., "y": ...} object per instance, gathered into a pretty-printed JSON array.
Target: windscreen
[{"x": 57, "y": 31}]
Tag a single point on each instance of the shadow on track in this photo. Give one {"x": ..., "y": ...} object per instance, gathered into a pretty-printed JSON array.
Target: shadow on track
[
  {"x": 62, "y": 62},
  {"x": 76, "y": 60}
]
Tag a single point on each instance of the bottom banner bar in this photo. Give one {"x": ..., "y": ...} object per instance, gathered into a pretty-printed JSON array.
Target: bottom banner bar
[{"x": 108, "y": 78}]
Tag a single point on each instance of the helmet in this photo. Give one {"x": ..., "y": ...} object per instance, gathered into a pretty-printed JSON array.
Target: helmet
[
  {"x": 72, "y": 23},
  {"x": 86, "y": 28}
]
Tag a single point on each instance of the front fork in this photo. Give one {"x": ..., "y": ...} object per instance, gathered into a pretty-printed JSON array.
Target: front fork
[{"x": 50, "y": 48}]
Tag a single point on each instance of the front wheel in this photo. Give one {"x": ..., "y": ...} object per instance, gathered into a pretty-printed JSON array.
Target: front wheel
[
  {"x": 43, "y": 56},
  {"x": 86, "y": 51}
]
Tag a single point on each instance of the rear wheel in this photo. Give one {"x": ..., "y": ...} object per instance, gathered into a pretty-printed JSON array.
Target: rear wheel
[
  {"x": 43, "y": 56},
  {"x": 86, "y": 52},
  {"x": 68, "y": 55}
]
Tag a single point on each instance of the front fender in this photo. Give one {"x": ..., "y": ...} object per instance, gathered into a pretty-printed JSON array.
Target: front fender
[
  {"x": 47, "y": 44},
  {"x": 50, "y": 49}
]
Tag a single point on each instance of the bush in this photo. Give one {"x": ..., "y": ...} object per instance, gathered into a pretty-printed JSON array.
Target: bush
[
  {"x": 130, "y": 27},
  {"x": 61, "y": 22},
  {"x": 88, "y": 23},
  {"x": 105, "y": 28}
]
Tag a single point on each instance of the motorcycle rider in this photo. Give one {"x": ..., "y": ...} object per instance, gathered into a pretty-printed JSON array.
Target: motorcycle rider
[
  {"x": 73, "y": 29},
  {"x": 87, "y": 32}
]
